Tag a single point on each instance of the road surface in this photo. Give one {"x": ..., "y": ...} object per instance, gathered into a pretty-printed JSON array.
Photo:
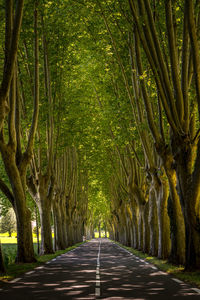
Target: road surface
[{"x": 98, "y": 269}]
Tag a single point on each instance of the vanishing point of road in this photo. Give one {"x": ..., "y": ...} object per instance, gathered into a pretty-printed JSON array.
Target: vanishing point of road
[{"x": 98, "y": 269}]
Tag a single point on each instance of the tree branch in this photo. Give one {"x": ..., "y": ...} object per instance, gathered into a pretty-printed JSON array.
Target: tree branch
[
  {"x": 4, "y": 188},
  {"x": 10, "y": 57},
  {"x": 29, "y": 148}
]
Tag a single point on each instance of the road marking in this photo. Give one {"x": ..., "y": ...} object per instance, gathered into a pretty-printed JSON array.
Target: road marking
[
  {"x": 97, "y": 289},
  {"x": 15, "y": 280},
  {"x": 98, "y": 258},
  {"x": 97, "y": 282},
  {"x": 196, "y": 290},
  {"x": 97, "y": 292},
  {"x": 177, "y": 280}
]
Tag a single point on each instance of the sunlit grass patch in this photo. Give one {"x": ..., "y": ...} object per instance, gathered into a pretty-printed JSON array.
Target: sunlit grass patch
[
  {"x": 8, "y": 240},
  {"x": 5, "y": 239},
  {"x": 164, "y": 265},
  {"x": 6, "y": 234},
  {"x": 96, "y": 234}
]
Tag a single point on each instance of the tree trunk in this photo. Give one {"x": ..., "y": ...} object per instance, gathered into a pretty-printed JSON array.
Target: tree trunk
[
  {"x": 46, "y": 233},
  {"x": 145, "y": 212},
  {"x": 131, "y": 235},
  {"x": 153, "y": 224},
  {"x": 135, "y": 229},
  {"x": 177, "y": 234},
  {"x": 135, "y": 234},
  {"x": 128, "y": 234},
  {"x": 177, "y": 226},
  {"x": 37, "y": 230},
  {"x": 122, "y": 235},
  {"x": 192, "y": 242},
  {"x": 2, "y": 266},
  {"x": 69, "y": 234},
  {"x": 189, "y": 191},
  {"x": 58, "y": 227},
  {"x": 64, "y": 225},
  {"x": 105, "y": 228},
  {"x": 99, "y": 229},
  {"x": 140, "y": 231},
  {"x": 25, "y": 251},
  {"x": 162, "y": 196}
]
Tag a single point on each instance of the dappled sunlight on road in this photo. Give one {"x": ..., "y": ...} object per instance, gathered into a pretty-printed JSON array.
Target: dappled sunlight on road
[
  {"x": 125, "y": 277},
  {"x": 70, "y": 276},
  {"x": 73, "y": 276}
]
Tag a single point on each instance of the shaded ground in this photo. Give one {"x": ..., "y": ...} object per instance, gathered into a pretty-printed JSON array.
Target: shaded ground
[
  {"x": 75, "y": 275},
  {"x": 124, "y": 276},
  {"x": 72, "y": 275}
]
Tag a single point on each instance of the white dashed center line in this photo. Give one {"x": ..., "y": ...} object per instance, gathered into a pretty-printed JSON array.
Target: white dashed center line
[
  {"x": 98, "y": 283},
  {"x": 97, "y": 292}
]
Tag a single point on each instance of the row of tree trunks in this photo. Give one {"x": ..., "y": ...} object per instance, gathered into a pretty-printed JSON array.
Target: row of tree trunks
[
  {"x": 166, "y": 86},
  {"x": 16, "y": 162},
  {"x": 145, "y": 221},
  {"x": 174, "y": 78},
  {"x": 69, "y": 209}
]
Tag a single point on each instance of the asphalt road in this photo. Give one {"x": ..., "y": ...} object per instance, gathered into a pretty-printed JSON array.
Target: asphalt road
[{"x": 97, "y": 269}]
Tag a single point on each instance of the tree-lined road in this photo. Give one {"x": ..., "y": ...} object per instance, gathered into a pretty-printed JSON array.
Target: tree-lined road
[{"x": 97, "y": 269}]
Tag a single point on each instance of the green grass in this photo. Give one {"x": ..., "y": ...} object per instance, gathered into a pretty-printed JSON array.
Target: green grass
[
  {"x": 164, "y": 265},
  {"x": 14, "y": 270},
  {"x": 10, "y": 251}
]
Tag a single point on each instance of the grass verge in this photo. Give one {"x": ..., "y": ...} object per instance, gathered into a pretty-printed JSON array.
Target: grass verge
[
  {"x": 164, "y": 265},
  {"x": 14, "y": 270}
]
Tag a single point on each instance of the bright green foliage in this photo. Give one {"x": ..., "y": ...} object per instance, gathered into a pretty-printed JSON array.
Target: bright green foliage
[
  {"x": 8, "y": 222},
  {"x": 101, "y": 100}
]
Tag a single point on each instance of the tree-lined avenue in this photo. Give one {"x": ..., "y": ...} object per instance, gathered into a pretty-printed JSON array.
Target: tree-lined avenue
[{"x": 100, "y": 131}]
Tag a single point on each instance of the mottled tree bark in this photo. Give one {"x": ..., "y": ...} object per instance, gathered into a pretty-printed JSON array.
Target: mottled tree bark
[
  {"x": 153, "y": 223},
  {"x": 2, "y": 265}
]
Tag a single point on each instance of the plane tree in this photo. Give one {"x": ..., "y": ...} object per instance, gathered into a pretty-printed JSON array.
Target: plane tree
[{"x": 15, "y": 159}]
